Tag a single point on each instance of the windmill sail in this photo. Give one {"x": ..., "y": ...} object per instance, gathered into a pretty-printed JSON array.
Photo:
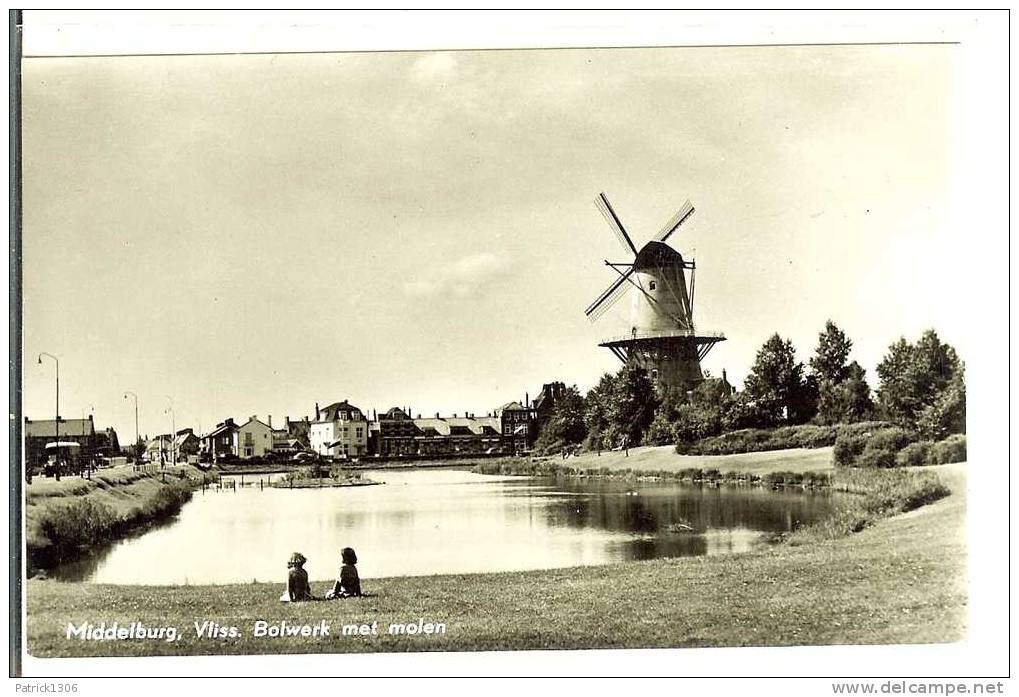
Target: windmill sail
[
  {"x": 609, "y": 297},
  {"x": 603, "y": 205},
  {"x": 674, "y": 222}
]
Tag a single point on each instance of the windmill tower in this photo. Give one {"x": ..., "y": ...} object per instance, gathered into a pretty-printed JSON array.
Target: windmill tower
[{"x": 662, "y": 338}]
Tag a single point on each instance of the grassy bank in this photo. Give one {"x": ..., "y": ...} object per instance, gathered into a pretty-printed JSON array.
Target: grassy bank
[
  {"x": 67, "y": 518},
  {"x": 902, "y": 580},
  {"x": 664, "y": 458}
]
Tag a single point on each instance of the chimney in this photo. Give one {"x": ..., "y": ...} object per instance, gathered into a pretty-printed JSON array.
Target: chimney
[
  {"x": 286, "y": 422},
  {"x": 270, "y": 421},
  {"x": 317, "y": 413},
  {"x": 436, "y": 415},
  {"x": 527, "y": 400},
  {"x": 724, "y": 378}
]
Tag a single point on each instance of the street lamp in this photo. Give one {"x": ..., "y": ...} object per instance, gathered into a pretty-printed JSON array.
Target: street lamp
[
  {"x": 173, "y": 432},
  {"x": 137, "y": 450},
  {"x": 57, "y": 421}
]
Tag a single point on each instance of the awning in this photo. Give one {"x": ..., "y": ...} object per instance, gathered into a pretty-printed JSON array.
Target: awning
[{"x": 63, "y": 444}]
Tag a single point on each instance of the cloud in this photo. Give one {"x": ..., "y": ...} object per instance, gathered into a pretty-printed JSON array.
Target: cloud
[
  {"x": 433, "y": 68},
  {"x": 467, "y": 276}
]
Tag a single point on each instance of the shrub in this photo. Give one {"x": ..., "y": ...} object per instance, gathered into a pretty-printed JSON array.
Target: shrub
[
  {"x": 914, "y": 454},
  {"x": 876, "y": 457},
  {"x": 892, "y": 438},
  {"x": 952, "y": 449},
  {"x": 847, "y": 449}
]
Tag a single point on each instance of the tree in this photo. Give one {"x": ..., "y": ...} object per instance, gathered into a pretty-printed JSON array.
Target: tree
[
  {"x": 660, "y": 431},
  {"x": 913, "y": 379},
  {"x": 846, "y": 401},
  {"x": 842, "y": 391},
  {"x": 565, "y": 425},
  {"x": 948, "y": 414},
  {"x": 632, "y": 405},
  {"x": 596, "y": 412},
  {"x": 776, "y": 379},
  {"x": 831, "y": 354}
]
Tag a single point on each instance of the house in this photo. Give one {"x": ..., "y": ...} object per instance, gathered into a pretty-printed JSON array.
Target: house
[
  {"x": 293, "y": 437},
  {"x": 220, "y": 441},
  {"x": 166, "y": 448},
  {"x": 516, "y": 424},
  {"x": 394, "y": 434},
  {"x": 339, "y": 430},
  {"x": 253, "y": 439}
]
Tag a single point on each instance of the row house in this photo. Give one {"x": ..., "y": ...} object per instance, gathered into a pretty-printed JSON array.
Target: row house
[{"x": 509, "y": 429}]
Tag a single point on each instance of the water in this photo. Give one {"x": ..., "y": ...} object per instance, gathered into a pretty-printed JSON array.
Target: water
[{"x": 443, "y": 521}]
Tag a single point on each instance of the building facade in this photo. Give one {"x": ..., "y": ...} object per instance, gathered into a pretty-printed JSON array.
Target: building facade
[
  {"x": 253, "y": 439},
  {"x": 340, "y": 430},
  {"x": 219, "y": 442}
]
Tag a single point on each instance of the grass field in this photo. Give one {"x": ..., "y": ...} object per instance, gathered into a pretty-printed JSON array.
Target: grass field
[
  {"x": 665, "y": 458},
  {"x": 902, "y": 580}
]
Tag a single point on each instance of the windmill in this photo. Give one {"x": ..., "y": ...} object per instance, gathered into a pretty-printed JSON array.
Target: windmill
[{"x": 662, "y": 338}]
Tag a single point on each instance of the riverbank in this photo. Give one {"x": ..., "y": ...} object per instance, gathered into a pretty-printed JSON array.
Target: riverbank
[
  {"x": 902, "y": 580},
  {"x": 66, "y": 519}
]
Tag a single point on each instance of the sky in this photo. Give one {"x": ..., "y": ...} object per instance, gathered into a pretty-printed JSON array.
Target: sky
[{"x": 248, "y": 235}]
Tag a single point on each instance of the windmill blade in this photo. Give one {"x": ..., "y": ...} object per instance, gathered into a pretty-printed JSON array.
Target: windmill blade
[
  {"x": 603, "y": 205},
  {"x": 608, "y": 298},
  {"x": 674, "y": 222}
]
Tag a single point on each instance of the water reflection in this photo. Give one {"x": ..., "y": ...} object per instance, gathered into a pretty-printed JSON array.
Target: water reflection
[{"x": 445, "y": 521}]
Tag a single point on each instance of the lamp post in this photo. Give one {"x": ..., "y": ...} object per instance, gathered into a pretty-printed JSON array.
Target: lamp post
[
  {"x": 56, "y": 423},
  {"x": 137, "y": 450},
  {"x": 173, "y": 432}
]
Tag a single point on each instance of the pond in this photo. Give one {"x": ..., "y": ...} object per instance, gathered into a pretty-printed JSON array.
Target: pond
[{"x": 444, "y": 521}]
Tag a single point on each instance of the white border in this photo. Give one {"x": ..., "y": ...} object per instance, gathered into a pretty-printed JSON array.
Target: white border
[{"x": 983, "y": 178}]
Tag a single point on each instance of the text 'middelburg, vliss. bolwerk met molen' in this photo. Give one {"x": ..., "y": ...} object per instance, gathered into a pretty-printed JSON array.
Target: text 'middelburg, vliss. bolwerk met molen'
[{"x": 138, "y": 631}]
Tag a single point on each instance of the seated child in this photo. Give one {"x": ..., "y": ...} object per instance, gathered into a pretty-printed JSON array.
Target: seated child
[
  {"x": 298, "y": 589},
  {"x": 348, "y": 585}
]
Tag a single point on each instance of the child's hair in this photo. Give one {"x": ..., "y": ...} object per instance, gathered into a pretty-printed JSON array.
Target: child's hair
[
  {"x": 296, "y": 559},
  {"x": 348, "y": 556}
]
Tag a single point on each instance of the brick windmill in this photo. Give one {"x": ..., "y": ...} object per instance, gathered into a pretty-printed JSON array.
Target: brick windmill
[{"x": 662, "y": 337}]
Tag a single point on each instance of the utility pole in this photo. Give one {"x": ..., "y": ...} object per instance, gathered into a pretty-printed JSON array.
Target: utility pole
[
  {"x": 56, "y": 423},
  {"x": 137, "y": 450}
]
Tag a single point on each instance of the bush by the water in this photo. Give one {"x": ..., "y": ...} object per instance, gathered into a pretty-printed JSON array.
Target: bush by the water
[
  {"x": 78, "y": 523},
  {"x": 877, "y": 494},
  {"x": 896, "y": 447}
]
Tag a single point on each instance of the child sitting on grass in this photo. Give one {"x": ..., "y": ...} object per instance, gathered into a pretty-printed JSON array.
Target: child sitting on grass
[
  {"x": 348, "y": 585},
  {"x": 298, "y": 589}
]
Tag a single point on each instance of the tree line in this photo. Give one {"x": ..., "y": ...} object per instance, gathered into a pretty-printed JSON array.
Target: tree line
[{"x": 921, "y": 387}]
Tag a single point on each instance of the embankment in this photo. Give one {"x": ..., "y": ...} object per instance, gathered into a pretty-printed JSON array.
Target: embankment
[{"x": 66, "y": 519}]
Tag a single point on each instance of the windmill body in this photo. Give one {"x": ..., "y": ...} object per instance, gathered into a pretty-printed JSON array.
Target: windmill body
[{"x": 662, "y": 337}]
